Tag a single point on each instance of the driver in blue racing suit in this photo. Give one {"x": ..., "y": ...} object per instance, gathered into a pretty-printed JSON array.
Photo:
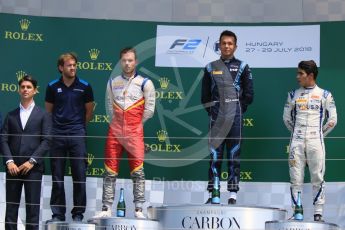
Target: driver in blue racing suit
[{"x": 227, "y": 90}]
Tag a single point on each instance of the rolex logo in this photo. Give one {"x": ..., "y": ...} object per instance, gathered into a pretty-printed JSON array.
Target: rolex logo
[
  {"x": 162, "y": 135},
  {"x": 24, "y": 24},
  {"x": 93, "y": 64},
  {"x": 23, "y": 35},
  {"x": 94, "y": 54},
  {"x": 90, "y": 158},
  {"x": 164, "y": 82},
  {"x": 20, "y": 74}
]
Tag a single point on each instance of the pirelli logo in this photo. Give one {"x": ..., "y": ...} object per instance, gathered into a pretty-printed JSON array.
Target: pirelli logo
[{"x": 217, "y": 72}]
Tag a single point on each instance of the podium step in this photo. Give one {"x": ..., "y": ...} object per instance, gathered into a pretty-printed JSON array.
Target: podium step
[
  {"x": 215, "y": 216},
  {"x": 111, "y": 223},
  {"x": 69, "y": 226},
  {"x": 300, "y": 225}
]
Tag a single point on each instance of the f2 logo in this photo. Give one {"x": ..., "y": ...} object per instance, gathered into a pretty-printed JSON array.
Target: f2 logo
[{"x": 191, "y": 44}]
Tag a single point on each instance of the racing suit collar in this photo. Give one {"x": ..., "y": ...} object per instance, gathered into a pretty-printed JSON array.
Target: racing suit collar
[
  {"x": 226, "y": 61},
  {"x": 310, "y": 87},
  {"x": 127, "y": 78}
]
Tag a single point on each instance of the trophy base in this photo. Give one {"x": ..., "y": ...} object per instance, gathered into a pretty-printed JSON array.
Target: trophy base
[
  {"x": 215, "y": 216},
  {"x": 110, "y": 223},
  {"x": 302, "y": 225},
  {"x": 69, "y": 226}
]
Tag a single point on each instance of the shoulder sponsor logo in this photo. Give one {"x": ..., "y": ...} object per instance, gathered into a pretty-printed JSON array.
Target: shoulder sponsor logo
[{"x": 23, "y": 35}]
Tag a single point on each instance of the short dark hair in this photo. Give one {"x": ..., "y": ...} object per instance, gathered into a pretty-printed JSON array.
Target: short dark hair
[
  {"x": 309, "y": 67},
  {"x": 127, "y": 50},
  {"x": 228, "y": 33},
  {"x": 64, "y": 57},
  {"x": 28, "y": 78}
]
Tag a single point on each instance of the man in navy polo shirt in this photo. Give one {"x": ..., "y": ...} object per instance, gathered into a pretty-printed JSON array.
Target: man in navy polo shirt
[{"x": 70, "y": 100}]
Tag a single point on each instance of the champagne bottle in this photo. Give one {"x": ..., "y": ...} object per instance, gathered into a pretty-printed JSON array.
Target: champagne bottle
[
  {"x": 121, "y": 205},
  {"x": 299, "y": 208},
  {"x": 216, "y": 191}
]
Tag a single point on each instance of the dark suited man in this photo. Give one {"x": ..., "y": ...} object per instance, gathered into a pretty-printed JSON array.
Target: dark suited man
[{"x": 25, "y": 140}]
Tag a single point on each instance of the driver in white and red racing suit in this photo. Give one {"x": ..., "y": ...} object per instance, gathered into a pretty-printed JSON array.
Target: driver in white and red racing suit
[
  {"x": 310, "y": 114},
  {"x": 130, "y": 101}
]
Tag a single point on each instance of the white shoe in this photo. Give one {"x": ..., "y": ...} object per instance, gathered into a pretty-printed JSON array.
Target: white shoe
[
  {"x": 233, "y": 195},
  {"x": 139, "y": 214},
  {"x": 103, "y": 214}
]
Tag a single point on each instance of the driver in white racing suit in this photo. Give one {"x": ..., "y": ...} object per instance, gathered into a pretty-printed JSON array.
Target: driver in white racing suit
[
  {"x": 310, "y": 114},
  {"x": 130, "y": 101}
]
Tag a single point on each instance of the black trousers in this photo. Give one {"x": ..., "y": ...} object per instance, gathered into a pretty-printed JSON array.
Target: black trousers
[
  {"x": 32, "y": 188},
  {"x": 73, "y": 148}
]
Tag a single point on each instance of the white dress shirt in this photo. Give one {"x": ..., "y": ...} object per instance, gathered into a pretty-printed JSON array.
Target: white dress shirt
[{"x": 25, "y": 113}]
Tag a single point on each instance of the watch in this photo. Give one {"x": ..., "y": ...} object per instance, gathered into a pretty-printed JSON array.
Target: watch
[{"x": 32, "y": 161}]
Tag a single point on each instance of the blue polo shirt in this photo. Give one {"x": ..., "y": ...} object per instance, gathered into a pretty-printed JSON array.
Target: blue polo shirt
[{"x": 69, "y": 105}]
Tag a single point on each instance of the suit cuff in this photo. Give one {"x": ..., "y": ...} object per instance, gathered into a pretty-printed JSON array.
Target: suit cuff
[{"x": 9, "y": 161}]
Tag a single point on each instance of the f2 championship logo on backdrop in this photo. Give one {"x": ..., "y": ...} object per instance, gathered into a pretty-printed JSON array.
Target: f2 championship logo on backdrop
[
  {"x": 24, "y": 35},
  {"x": 184, "y": 46}
]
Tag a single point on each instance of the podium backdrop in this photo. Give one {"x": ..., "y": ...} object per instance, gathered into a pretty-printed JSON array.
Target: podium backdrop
[{"x": 177, "y": 134}]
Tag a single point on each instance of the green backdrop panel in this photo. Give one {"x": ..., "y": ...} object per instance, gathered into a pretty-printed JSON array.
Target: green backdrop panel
[{"x": 177, "y": 134}]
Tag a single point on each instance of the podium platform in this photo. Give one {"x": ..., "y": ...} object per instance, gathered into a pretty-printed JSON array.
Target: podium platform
[
  {"x": 214, "y": 216},
  {"x": 111, "y": 223},
  {"x": 61, "y": 225},
  {"x": 300, "y": 225}
]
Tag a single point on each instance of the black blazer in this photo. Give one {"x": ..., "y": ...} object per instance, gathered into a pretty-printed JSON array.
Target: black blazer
[{"x": 20, "y": 144}]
